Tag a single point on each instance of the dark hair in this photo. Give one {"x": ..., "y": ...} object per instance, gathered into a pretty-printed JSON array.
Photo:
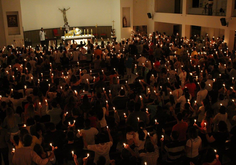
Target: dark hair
[
  {"x": 179, "y": 116},
  {"x": 87, "y": 123},
  {"x": 122, "y": 92},
  {"x": 38, "y": 149},
  {"x": 141, "y": 135},
  {"x": 193, "y": 133},
  {"x": 125, "y": 154},
  {"x": 27, "y": 140},
  {"x": 202, "y": 84},
  {"x": 70, "y": 136},
  {"x": 150, "y": 147},
  {"x": 38, "y": 128},
  {"x": 30, "y": 121},
  {"x": 222, "y": 126},
  {"x": 222, "y": 110},
  {"x": 175, "y": 135},
  {"x": 23, "y": 132},
  {"x": 52, "y": 126}
]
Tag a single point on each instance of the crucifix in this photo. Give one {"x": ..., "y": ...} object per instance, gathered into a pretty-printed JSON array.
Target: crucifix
[
  {"x": 113, "y": 23},
  {"x": 64, "y": 14}
]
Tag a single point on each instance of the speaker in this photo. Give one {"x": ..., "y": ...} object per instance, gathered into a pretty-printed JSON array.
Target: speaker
[
  {"x": 149, "y": 15},
  {"x": 223, "y": 21}
]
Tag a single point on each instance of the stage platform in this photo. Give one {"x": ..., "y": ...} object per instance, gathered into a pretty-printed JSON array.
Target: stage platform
[{"x": 77, "y": 39}]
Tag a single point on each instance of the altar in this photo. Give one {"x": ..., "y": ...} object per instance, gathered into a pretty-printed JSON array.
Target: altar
[{"x": 84, "y": 38}]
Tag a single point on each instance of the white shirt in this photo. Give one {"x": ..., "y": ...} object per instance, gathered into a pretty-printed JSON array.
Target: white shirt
[
  {"x": 201, "y": 95},
  {"x": 90, "y": 135},
  {"x": 182, "y": 77},
  {"x": 177, "y": 93},
  {"x": 201, "y": 115},
  {"x": 194, "y": 144},
  {"x": 42, "y": 35},
  {"x": 182, "y": 100},
  {"x": 101, "y": 150},
  {"x": 103, "y": 122}
]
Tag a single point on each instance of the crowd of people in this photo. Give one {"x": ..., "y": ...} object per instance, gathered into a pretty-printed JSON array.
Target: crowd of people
[{"x": 151, "y": 99}]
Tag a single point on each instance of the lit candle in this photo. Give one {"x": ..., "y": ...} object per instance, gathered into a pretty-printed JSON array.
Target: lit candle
[
  {"x": 13, "y": 150},
  {"x": 24, "y": 125},
  {"x": 72, "y": 152},
  {"x": 87, "y": 155},
  {"x": 51, "y": 144},
  {"x": 146, "y": 110},
  {"x": 124, "y": 144},
  {"x": 195, "y": 120},
  {"x": 138, "y": 118},
  {"x": 124, "y": 115}
]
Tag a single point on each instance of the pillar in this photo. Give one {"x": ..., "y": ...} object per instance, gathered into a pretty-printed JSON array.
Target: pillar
[{"x": 186, "y": 30}]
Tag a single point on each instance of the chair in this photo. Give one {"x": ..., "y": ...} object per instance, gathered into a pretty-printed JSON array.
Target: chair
[
  {"x": 55, "y": 33},
  {"x": 103, "y": 35}
]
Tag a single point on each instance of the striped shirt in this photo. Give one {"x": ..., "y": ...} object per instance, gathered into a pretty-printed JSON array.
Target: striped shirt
[{"x": 174, "y": 151}]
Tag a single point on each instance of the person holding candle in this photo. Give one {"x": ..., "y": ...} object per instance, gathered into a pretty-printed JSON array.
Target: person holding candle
[
  {"x": 39, "y": 150},
  {"x": 202, "y": 94},
  {"x": 217, "y": 139},
  {"x": 185, "y": 98},
  {"x": 71, "y": 148},
  {"x": 181, "y": 127},
  {"x": 55, "y": 113},
  {"x": 174, "y": 148},
  {"x": 102, "y": 148},
  {"x": 90, "y": 132},
  {"x": 26, "y": 155},
  {"x": 193, "y": 145},
  {"x": 221, "y": 116},
  {"x": 11, "y": 122}
]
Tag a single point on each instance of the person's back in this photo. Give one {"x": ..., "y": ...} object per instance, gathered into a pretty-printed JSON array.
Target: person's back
[
  {"x": 26, "y": 155},
  {"x": 174, "y": 149},
  {"x": 181, "y": 127}
]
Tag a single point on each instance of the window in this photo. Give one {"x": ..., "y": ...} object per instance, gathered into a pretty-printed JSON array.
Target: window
[{"x": 195, "y": 4}]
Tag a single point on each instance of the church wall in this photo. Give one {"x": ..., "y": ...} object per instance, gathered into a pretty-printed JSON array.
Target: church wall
[
  {"x": 9, "y": 8},
  {"x": 164, "y": 27},
  {"x": 45, "y": 13},
  {"x": 116, "y": 16},
  {"x": 140, "y": 12},
  {"x": 2, "y": 34},
  {"x": 126, "y": 31}
]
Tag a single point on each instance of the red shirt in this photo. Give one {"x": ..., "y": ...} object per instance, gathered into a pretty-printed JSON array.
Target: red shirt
[
  {"x": 191, "y": 88},
  {"x": 181, "y": 128}
]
